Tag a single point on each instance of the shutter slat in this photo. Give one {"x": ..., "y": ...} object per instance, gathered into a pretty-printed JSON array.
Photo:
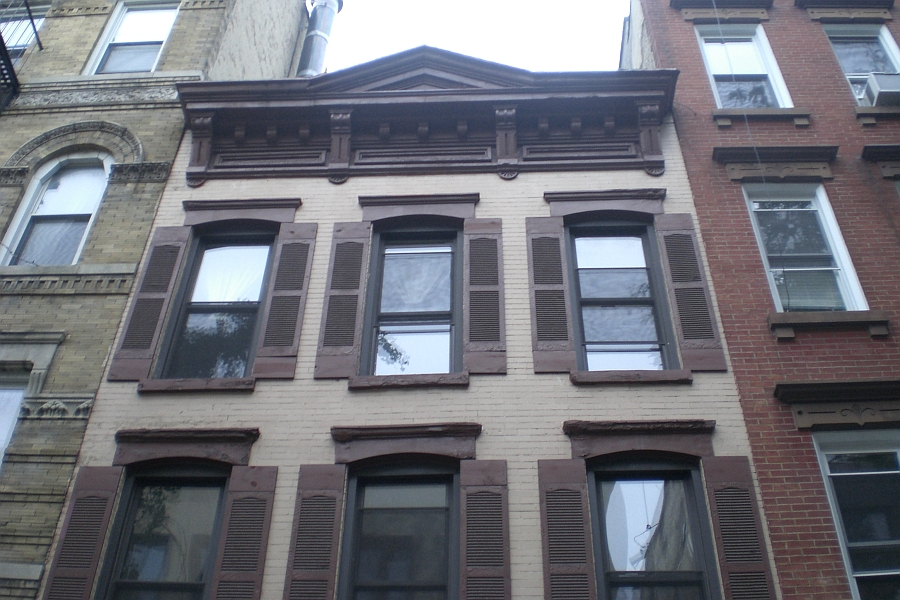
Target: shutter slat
[
  {"x": 242, "y": 549},
  {"x": 282, "y": 313},
  {"x": 72, "y": 572},
  {"x": 551, "y": 314},
  {"x": 484, "y": 539},
  {"x": 150, "y": 306},
  {"x": 313, "y": 558},
  {"x": 484, "y": 348},
  {"x": 566, "y": 530},
  {"x": 340, "y": 334},
  {"x": 738, "y": 529},
  {"x": 695, "y": 321}
]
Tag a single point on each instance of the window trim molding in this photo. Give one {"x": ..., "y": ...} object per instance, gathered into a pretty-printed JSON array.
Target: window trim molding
[
  {"x": 231, "y": 446},
  {"x": 117, "y": 16},
  {"x": 276, "y": 210},
  {"x": 460, "y": 206},
  {"x": 454, "y": 440},
  {"x": 647, "y": 201},
  {"x": 592, "y": 439}
]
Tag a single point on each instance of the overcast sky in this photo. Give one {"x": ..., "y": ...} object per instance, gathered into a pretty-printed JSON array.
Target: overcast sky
[{"x": 538, "y": 35}]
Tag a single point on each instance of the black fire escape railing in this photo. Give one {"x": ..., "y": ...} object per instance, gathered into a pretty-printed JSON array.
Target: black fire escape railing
[
  {"x": 9, "y": 83},
  {"x": 17, "y": 31}
]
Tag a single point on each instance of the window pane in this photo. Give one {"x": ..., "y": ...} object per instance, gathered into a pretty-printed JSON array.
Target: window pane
[
  {"x": 405, "y": 496},
  {"x": 791, "y": 231},
  {"x": 145, "y": 26},
  {"x": 614, "y": 359},
  {"x": 808, "y": 290},
  {"x": 173, "y": 527},
  {"x": 10, "y": 401},
  {"x": 614, "y": 283},
  {"x": 747, "y": 93},
  {"x": 412, "y": 349},
  {"x": 130, "y": 58},
  {"x": 738, "y": 57},
  {"x": 862, "y": 56},
  {"x": 862, "y": 462},
  {"x": 213, "y": 345},
  {"x": 18, "y": 33},
  {"x": 879, "y": 588},
  {"x": 51, "y": 241},
  {"x": 647, "y": 527},
  {"x": 73, "y": 191},
  {"x": 231, "y": 274},
  {"x": 869, "y": 508},
  {"x": 657, "y": 592},
  {"x": 609, "y": 252},
  {"x": 416, "y": 279},
  {"x": 619, "y": 324}
]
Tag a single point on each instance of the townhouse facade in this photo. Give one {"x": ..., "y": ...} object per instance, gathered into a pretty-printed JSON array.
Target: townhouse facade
[
  {"x": 89, "y": 126},
  {"x": 427, "y": 327},
  {"x": 787, "y": 116}
]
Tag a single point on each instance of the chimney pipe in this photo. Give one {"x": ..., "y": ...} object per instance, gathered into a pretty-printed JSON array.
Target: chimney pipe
[{"x": 312, "y": 58}]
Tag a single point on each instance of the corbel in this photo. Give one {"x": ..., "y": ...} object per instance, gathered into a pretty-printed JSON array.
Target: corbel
[
  {"x": 340, "y": 138},
  {"x": 384, "y": 131},
  {"x": 240, "y": 134},
  {"x": 609, "y": 125},
  {"x": 271, "y": 134},
  {"x": 462, "y": 129},
  {"x": 201, "y": 126},
  {"x": 649, "y": 119},
  {"x": 507, "y": 146},
  {"x": 575, "y": 127},
  {"x": 544, "y": 126},
  {"x": 303, "y": 132},
  {"x": 422, "y": 131},
  {"x": 13, "y": 176}
]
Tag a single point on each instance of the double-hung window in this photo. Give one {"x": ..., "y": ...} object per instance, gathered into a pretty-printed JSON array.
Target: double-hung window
[
  {"x": 214, "y": 335},
  {"x": 863, "y": 478},
  {"x": 741, "y": 67},
  {"x": 415, "y": 309},
  {"x": 617, "y": 292},
  {"x": 134, "y": 38},
  {"x": 60, "y": 204},
  {"x": 808, "y": 265},
  {"x": 862, "y": 50}
]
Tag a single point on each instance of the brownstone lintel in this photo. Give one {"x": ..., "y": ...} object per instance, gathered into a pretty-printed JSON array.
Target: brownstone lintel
[{"x": 601, "y": 377}]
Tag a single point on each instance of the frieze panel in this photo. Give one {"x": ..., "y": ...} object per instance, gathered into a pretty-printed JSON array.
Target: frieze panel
[
  {"x": 849, "y": 15},
  {"x": 13, "y": 176},
  {"x": 726, "y": 15},
  {"x": 201, "y": 4},
  {"x": 93, "y": 96},
  {"x": 798, "y": 171},
  {"x": 68, "y": 407},
  {"x": 808, "y": 416},
  {"x": 146, "y": 172}
]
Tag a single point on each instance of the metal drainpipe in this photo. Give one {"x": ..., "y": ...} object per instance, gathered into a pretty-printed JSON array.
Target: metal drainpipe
[{"x": 312, "y": 58}]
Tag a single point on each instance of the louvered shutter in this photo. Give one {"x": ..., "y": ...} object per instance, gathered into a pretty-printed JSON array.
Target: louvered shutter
[
  {"x": 484, "y": 537},
  {"x": 484, "y": 328},
  {"x": 339, "y": 338},
  {"x": 695, "y": 321},
  {"x": 143, "y": 327},
  {"x": 548, "y": 277},
  {"x": 74, "y": 567},
  {"x": 276, "y": 353},
  {"x": 743, "y": 559},
  {"x": 313, "y": 556},
  {"x": 566, "y": 531},
  {"x": 245, "y": 534}
]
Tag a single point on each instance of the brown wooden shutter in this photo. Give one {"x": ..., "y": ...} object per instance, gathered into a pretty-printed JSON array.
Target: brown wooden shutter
[
  {"x": 342, "y": 317},
  {"x": 695, "y": 322},
  {"x": 245, "y": 534},
  {"x": 743, "y": 559},
  {"x": 484, "y": 536},
  {"x": 143, "y": 327},
  {"x": 484, "y": 327},
  {"x": 276, "y": 353},
  {"x": 548, "y": 278},
  {"x": 566, "y": 531},
  {"x": 313, "y": 556},
  {"x": 74, "y": 567}
]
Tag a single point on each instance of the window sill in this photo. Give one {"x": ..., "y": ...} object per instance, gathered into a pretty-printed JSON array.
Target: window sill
[
  {"x": 374, "y": 382},
  {"x": 869, "y": 115},
  {"x": 236, "y": 384},
  {"x": 725, "y": 117},
  {"x": 783, "y": 324},
  {"x": 595, "y": 377}
]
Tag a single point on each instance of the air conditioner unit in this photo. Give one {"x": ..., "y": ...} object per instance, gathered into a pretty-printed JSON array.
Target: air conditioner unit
[{"x": 883, "y": 89}]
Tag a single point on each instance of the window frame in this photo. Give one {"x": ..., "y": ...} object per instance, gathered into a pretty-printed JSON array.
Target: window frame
[
  {"x": 757, "y": 36},
  {"x": 14, "y": 379},
  {"x": 386, "y": 235},
  {"x": 846, "y": 277},
  {"x": 17, "y": 50},
  {"x": 185, "y": 472},
  {"x": 659, "y": 300},
  {"x": 180, "y": 309},
  {"x": 615, "y": 468},
  {"x": 430, "y": 469},
  {"x": 112, "y": 27},
  {"x": 850, "y": 442},
  {"x": 20, "y": 223},
  {"x": 858, "y": 30}
]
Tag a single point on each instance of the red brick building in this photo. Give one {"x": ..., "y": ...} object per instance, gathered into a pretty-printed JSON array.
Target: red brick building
[{"x": 789, "y": 120}]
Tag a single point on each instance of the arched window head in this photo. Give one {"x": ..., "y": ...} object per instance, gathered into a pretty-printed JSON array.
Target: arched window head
[{"x": 58, "y": 209}]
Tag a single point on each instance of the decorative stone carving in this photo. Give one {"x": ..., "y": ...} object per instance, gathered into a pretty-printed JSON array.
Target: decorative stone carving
[
  {"x": 807, "y": 416},
  {"x": 122, "y": 94},
  {"x": 84, "y": 409},
  {"x": 890, "y": 169},
  {"x": 507, "y": 173},
  {"x": 14, "y": 176},
  {"x": 67, "y": 407},
  {"x": 201, "y": 4},
  {"x": 124, "y": 145},
  {"x": 655, "y": 170},
  {"x": 53, "y": 408},
  {"x": 139, "y": 172},
  {"x": 79, "y": 11},
  {"x": 799, "y": 171},
  {"x": 40, "y": 284},
  {"x": 849, "y": 15},
  {"x": 725, "y": 15},
  {"x": 338, "y": 178}
]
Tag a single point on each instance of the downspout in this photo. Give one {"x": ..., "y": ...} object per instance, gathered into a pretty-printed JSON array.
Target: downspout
[{"x": 312, "y": 57}]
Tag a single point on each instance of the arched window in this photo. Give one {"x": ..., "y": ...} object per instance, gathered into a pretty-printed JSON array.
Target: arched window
[{"x": 59, "y": 206}]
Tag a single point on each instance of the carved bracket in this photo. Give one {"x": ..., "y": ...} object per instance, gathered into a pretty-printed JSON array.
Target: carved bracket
[
  {"x": 340, "y": 138},
  {"x": 147, "y": 172},
  {"x": 507, "y": 144},
  {"x": 649, "y": 119},
  {"x": 13, "y": 176}
]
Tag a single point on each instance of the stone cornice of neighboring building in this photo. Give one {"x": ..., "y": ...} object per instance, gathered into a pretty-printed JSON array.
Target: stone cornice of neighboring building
[{"x": 91, "y": 92}]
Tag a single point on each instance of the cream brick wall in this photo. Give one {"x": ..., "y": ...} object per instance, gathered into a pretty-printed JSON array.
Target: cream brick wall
[{"x": 522, "y": 413}]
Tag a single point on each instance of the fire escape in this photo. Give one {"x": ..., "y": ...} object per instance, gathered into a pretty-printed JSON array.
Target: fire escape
[{"x": 18, "y": 29}]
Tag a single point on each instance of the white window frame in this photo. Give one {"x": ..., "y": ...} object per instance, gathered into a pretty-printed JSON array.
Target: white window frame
[
  {"x": 14, "y": 380},
  {"x": 32, "y": 197},
  {"x": 112, "y": 27},
  {"x": 848, "y": 282},
  {"x": 758, "y": 36},
  {"x": 864, "y": 30},
  {"x": 848, "y": 442}
]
